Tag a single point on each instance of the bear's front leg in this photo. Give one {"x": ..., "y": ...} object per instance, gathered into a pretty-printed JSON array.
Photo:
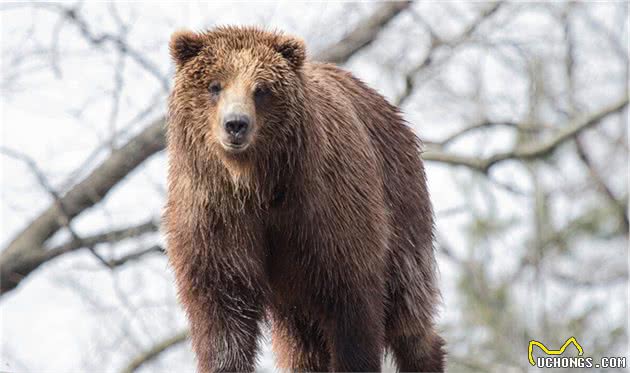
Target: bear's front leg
[
  {"x": 220, "y": 278},
  {"x": 225, "y": 327}
]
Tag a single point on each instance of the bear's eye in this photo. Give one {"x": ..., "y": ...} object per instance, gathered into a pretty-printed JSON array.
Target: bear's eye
[
  {"x": 261, "y": 92},
  {"x": 214, "y": 88}
]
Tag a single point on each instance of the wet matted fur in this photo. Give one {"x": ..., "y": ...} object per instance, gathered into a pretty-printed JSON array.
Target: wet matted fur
[{"x": 324, "y": 222}]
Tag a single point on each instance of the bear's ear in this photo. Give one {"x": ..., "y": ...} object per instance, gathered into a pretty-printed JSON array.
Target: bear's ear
[
  {"x": 184, "y": 45},
  {"x": 292, "y": 49}
]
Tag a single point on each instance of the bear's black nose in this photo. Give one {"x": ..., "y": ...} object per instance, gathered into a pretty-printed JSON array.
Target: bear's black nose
[{"x": 236, "y": 125}]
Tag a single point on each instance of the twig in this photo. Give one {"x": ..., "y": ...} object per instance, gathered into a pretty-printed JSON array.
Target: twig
[
  {"x": 72, "y": 15},
  {"x": 601, "y": 184},
  {"x": 155, "y": 351},
  {"x": 135, "y": 256},
  {"x": 436, "y": 44}
]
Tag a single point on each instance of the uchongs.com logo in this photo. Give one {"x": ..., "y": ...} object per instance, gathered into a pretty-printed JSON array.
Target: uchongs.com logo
[{"x": 558, "y": 358}]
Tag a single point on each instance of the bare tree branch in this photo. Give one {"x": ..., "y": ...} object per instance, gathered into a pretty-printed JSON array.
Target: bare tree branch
[
  {"x": 570, "y": 61},
  {"x": 64, "y": 218},
  {"x": 106, "y": 237},
  {"x": 601, "y": 184},
  {"x": 28, "y": 244},
  {"x": 477, "y": 126},
  {"x": 72, "y": 14},
  {"x": 29, "y": 260},
  {"x": 155, "y": 351},
  {"x": 134, "y": 256},
  {"x": 529, "y": 150},
  {"x": 436, "y": 44},
  {"x": 364, "y": 34}
]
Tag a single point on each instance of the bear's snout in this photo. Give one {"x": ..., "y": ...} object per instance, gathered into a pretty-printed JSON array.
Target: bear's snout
[{"x": 236, "y": 127}]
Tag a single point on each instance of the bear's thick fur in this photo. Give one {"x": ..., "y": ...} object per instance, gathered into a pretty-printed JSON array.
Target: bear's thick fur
[{"x": 322, "y": 223}]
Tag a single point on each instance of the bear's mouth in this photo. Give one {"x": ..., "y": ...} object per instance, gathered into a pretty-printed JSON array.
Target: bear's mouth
[{"x": 234, "y": 148}]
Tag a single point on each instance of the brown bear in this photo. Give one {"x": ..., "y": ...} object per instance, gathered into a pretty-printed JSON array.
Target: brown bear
[{"x": 296, "y": 194}]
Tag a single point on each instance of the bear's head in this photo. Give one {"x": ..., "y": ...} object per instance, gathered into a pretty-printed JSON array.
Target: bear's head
[{"x": 236, "y": 91}]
